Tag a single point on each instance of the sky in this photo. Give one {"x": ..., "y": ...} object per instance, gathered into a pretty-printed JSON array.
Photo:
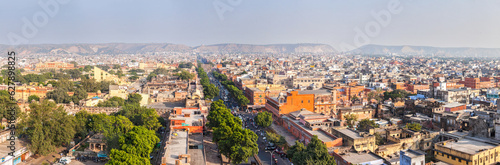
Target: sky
[{"x": 342, "y": 24}]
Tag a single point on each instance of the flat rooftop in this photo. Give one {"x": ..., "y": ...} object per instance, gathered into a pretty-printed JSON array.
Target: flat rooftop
[
  {"x": 178, "y": 146},
  {"x": 350, "y": 133},
  {"x": 316, "y": 92},
  {"x": 321, "y": 135},
  {"x": 4, "y": 150},
  {"x": 413, "y": 153},
  {"x": 468, "y": 146},
  {"x": 358, "y": 158}
]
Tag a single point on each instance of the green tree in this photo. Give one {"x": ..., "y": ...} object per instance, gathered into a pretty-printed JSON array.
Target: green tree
[
  {"x": 264, "y": 119},
  {"x": 112, "y": 102},
  {"x": 134, "y": 98},
  {"x": 120, "y": 157},
  {"x": 276, "y": 138},
  {"x": 79, "y": 94},
  {"x": 116, "y": 66},
  {"x": 33, "y": 97},
  {"x": 366, "y": 125},
  {"x": 185, "y": 75},
  {"x": 414, "y": 126},
  {"x": 82, "y": 119},
  {"x": 350, "y": 120},
  {"x": 59, "y": 95},
  {"x": 47, "y": 127},
  {"x": 315, "y": 153}
]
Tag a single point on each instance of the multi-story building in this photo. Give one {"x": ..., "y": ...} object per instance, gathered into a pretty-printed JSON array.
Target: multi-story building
[
  {"x": 101, "y": 75},
  {"x": 304, "y": 124},
  {"x": 411, "y": 157},
  {"x": 361, "y": 141},
  {"x": 478, "y": 83},
  {"x": 467, "y": 152},
  {"x": 53, "y": 65},
  {"x": 315, "y": 82}
]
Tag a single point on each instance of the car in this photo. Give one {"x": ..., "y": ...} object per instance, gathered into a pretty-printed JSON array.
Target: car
[{"x": 271, "y": 147}]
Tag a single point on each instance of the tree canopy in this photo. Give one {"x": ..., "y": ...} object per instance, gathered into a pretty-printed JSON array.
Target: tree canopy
[
  {"x": 264, "y": 119},
  {"x": 315, "y": 153},
  {"x": 366, "y": 124}
]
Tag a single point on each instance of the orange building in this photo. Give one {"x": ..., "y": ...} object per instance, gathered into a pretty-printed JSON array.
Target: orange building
[
  {"x": 414, "y": 88},
  {"x": 24, "y": 92},
  {"x": 53, "y": 65},
  {"x": 478, "y": 83},
  {"x": 346, "y": 94},
  {"x": 293, "y": 101},
  {"x": 187, "y": 118},
  {"x": 219, "y": 65},
  {"x": 304, "y": 124}
]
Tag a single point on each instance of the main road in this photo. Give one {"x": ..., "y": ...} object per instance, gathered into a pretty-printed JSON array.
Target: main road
[{"x": 265, "y": 157}]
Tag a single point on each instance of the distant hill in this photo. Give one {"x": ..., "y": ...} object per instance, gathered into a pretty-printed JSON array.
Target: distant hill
[
  {"x": 131, "y": 48},
  {"x": 273, "y": 48},
  {"x": 94, "y": 49},
  {"x": 428, "y": 51}
]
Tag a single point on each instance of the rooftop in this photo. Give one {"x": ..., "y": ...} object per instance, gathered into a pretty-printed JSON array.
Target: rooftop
[
  {"x": 359, "y": 158},
  {"x": 350, "y": 133},
  {"x": 178, "y": 146},
  {"x": 468, "y": 146},
  {"x": 316, "y": 92}
]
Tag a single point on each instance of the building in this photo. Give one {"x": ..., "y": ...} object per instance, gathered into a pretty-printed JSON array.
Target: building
[
  {"x": 21, "y": 151},
  {"x": 101, "y": 75},
  {"x": 118, "y": 91},
  {"x": 257, "y": 93},
  {"x": 452, "y": 107},
  {"x": 292, "y": 101},
  {"x": 467, "y": 152},
  {"x": 25, "y": 91},
  {"x": 53, "y": 65},
  {"x": 365, "y": 158},
  {"x": 361, "y": 141},
  {"x": 478, "y": 83},
  {"x": 411, "y": 157},
  {"x": 185, "y": 143},
  {"x": 314, "y": 82},
  {"x": 304, "y": 124}
]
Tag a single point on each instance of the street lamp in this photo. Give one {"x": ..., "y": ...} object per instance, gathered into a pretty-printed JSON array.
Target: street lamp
[{"x": 271, "y": 152}]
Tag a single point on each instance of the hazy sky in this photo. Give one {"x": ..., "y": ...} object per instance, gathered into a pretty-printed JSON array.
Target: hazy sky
[{"x": 452, "y": 23}]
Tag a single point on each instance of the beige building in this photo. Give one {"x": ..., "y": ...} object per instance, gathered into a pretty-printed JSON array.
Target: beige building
[
  {"x": 118, "y": 91},
  {"x": 306, "y": 82},
  {"x": 362, "y": 141},
  {"x": 467, "y": 152},
  {"x": 101, "y": 75}
]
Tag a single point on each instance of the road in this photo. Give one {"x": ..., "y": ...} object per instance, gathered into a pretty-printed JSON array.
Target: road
[{"x": 264, "y": 156}]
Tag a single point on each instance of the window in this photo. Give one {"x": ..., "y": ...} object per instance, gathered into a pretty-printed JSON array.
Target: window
[
  {"x": 308, "y": 101},
  {"x": 302, "y": 101}
]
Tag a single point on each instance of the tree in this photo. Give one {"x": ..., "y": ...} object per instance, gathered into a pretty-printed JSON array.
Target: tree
[
  {"x": 366, "y": 125},
  {"x": 6, "y": 105},
  {"x": 79, "y": 94},
  {"x": 295, "y": 153},
  {"x": 74, "y": 73},
  {"x": 47, "y": 127},
  {"x": 33, "y": 97},
  {"x": 75, "y": 64},
  {"x": 414, "y": 126},
  {"x": 90, "y": 85},
  {"x": 120, "y": 157},
  {"x": 240, "y": 145},
  {"x": 185, "y": 75},
  {"x": 276, "y": 138},
  {"x": 315, "y": 153},
  {"x": 398, "y": 93},
  {"x": 112, "y": 102},
  {"x": 59, "y": 95},
  {"x": 264, "y": 119},
  {"x": 133, "y": 78},
  {"x": 350, "y": 119},
  {"x": 134, "y": 98},
  {"x": 116, "y": 66},
  {"x": 150, "y": 76},
  {"x": 141, "y": 116},
  {"x": 82, "y": 123},
  {"x": 139, "y": 141}
]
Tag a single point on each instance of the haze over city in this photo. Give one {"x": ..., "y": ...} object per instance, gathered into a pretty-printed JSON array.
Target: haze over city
[{"x": 418, "y": 23}]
